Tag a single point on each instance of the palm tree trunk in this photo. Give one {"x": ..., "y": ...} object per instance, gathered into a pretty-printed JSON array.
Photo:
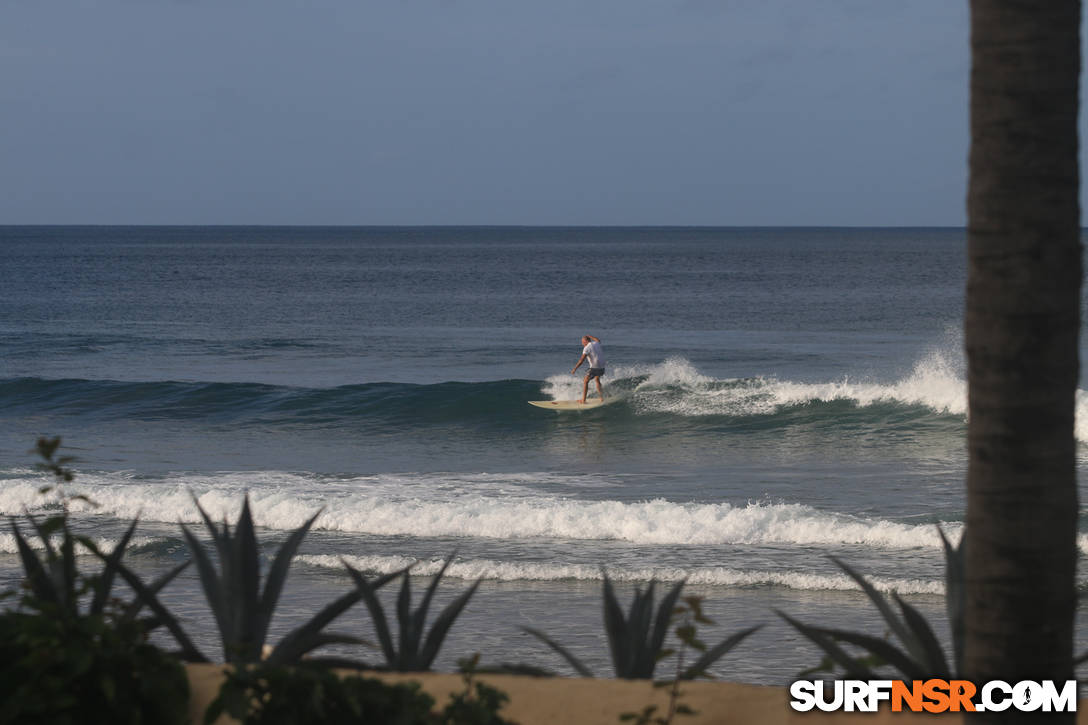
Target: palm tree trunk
[{"x": 1021, "y": 328}]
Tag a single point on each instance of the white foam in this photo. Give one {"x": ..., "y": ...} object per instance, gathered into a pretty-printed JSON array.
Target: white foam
[
  {"x": 489, "y": 569},
  {"x": 569, "y": 387},
  {"x": 656, "y": 522},
  {"x": 9, "y": 546},
  {"x": 937, "y": 381},
  {"x": 425, "y": 506},
  {"x": 933, "y": 383},
  {"x": 1080, "y": 428},
  {"x": 676, "y": 387},
  {"x": 674, "y": 371}
]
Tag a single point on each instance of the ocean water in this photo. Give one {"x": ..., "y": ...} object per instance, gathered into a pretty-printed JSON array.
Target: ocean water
[{"x": 785, "y": 394}]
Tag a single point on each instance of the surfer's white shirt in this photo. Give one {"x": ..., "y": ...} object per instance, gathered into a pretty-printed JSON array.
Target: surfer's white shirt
[{"x": 594, "y": 354}]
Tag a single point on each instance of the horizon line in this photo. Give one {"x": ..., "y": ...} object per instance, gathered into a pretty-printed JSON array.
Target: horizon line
[{"x": 236, "y": 225}]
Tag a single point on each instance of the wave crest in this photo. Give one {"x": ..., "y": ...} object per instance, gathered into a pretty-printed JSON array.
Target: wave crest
[
  {"x": 425, "y": 505},
  {"x": 492, "y": 570},
  {"x": 676, "y": 387}
]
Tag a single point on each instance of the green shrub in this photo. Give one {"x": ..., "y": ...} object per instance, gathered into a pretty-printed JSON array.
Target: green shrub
[
  {"x": 413, "y": 652},
  {"x": 53, "y": 579},
  {"x": 265, "y": 694},
  {"x": 478, "y": 704},
  {"x": 71, "y": 652},
  {"x": 275, "y": 695},
  {"x": 60, "y": 670},
  {"x": 921, "y": 656},
  {"x": 687, "y": 617},
  {"x": 637, "y": 641},
  {"x": 243, "y": 612}
]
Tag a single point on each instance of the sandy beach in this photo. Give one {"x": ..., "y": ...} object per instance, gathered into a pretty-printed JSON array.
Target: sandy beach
[{"x": 574, "y": 701}]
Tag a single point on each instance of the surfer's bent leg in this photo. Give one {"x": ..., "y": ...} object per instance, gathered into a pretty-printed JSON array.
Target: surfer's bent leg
[{"x": 593, "y": 373}]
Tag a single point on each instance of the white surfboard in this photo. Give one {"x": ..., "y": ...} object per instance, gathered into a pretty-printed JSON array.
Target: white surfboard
[{"x": 572, "y": 404}]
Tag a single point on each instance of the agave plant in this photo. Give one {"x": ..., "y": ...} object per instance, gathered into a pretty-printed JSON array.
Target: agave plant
[
  {"x": 54, "y": 584},
  {"x": 53, "y": 581},
  {"x": 413, "y": 652},
  {"x": 921, "y": 656},
  {"x": 75, "y": 650},
  {"x": 243, "y": 612},
  {"x": 636, "y": 642}
]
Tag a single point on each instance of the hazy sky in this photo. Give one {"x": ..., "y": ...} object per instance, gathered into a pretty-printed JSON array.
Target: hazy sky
[{"x": 734, "y": 112}]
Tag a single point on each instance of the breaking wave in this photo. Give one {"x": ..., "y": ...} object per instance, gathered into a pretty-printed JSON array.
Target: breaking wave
[{"x": 483, "y": 506}]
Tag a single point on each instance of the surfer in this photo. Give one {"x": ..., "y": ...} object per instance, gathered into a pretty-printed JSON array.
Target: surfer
[{"x": 591, "y": 348}]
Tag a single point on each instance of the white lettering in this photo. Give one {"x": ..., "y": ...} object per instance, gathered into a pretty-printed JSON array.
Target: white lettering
[
  {"x": 836, "y": 702},
  {"x": 879, "y": 690},
  {"x": 803, "y": 693},
  {"x": 1027, "y": 696},
  {"x": 994, "y": 696},
  {"x": 855, "y": 695},
  {"x": 1064, "y": 701},
  {"x": 991, "y": 703}
]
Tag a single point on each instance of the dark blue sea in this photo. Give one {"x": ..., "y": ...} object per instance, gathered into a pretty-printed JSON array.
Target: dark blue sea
[{"x": 783, "y": 394}]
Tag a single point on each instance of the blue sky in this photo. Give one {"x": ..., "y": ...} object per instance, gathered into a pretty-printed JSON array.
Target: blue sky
[{"x": 732, "y": 112}]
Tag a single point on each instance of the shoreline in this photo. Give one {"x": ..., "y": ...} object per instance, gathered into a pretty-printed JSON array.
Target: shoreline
[{"x": 581, "y": 701}]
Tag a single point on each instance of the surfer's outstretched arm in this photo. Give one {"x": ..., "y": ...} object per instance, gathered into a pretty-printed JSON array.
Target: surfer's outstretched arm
[{"x": 580, "y": 361}]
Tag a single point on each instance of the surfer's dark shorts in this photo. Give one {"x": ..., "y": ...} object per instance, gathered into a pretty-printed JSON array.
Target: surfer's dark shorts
[{"x": 595, "y": 373}]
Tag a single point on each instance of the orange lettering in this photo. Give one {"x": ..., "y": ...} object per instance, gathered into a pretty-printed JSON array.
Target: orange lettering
[
  {"x": 912, "y": 696},
  {"x": 937, "y": 692},
  {"x": 961, "y": 693}
]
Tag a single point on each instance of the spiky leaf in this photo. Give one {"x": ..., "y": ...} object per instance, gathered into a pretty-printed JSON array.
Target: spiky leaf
[
  {"x": 616, "y": 628},
  {"x": 664, "y": 614},
  {"x": 408, "y": 643},
  {"x": 104, "y": 583},
  {"x": 151, "y": 601},
  {"x": 66, "y": 570},
  {"x": 955, "y": 579},
  {"x": 292, "y": 646},
  {"x": 661, "y": 624},
  {"x": 302, "y": 646},
  {"x": 576, "y": 663},
  {"x": 213, "y": 593},
  {"x": 853, "y": 667},
  {"x": 914, "y": 647},
  {"x": 881, "y": 649},
  {"x": 441, "y": 626},
  {"x": 155, "y": 587},
  {"x": 45, "y": 531},
  {"x": 935, "y": 663},
  {"x": 641, "y": 663},
  {"x": 242, "y": 581},
  {"x": 420, "y": 618},
  {"x": 718, "y": 651},
  {"x": 36, "y": 575},
  {"x": 277, "y": 575},
  {"x": 377, "y": 613},
  {"x": 219, "y": 538}
]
